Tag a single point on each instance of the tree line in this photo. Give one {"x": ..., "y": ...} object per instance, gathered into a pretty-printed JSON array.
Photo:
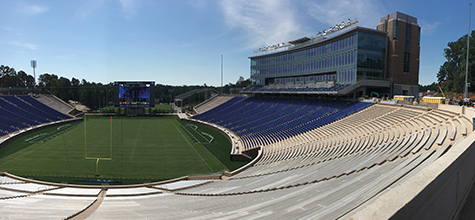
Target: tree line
[
  {"x": 10, "y": 78},
  {"x": 93, "y": 95}
]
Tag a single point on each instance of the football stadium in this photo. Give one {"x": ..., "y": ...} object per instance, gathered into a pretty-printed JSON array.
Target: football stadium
[{"x": 329, "y": 129}]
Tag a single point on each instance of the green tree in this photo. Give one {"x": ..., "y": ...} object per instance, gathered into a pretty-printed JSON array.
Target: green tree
[
  {"x": 26, "y": 80},
  {"x": 9, "y": 77},
  {"x": 75, "y": 83},
  {"x": 45, "y": 80},
  {"x": 6, "y": 70},
  {"x": 53, "y": 87},
  {"x": 451, "y": 74},
  {"x": 64, "y": 89}
]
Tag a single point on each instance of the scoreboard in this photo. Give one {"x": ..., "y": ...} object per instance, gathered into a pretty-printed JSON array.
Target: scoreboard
[{"x": 133, "y": 94}]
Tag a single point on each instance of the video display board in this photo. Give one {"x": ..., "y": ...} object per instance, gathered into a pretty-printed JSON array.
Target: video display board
[{"x": 131, "y": 94}]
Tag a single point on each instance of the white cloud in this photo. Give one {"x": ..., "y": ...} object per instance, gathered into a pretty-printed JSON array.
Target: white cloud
[
  {"x": 6, "y": 28},
  {"x": 33, "y": 9},
  {"x": 24, "y": 45},
  {"x": 129, "y": 6},
  {"x": 264, "y": 22},
  {"x": 428, "y": 28},
  {"x": 331, "y": 12},
  {"x": 199, "y": 4},
  {"x": 88, "y": 7}
]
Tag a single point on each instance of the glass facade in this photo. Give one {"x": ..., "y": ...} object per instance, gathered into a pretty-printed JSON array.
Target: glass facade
[
  {"x": 371, "y": 56},
  {"x": 338, "y": 59}
]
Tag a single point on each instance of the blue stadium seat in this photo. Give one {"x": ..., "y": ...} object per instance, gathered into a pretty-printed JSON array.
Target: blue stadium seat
[
  {"x": 20, "y": 112},
  {"x": 267, "y": 120}
]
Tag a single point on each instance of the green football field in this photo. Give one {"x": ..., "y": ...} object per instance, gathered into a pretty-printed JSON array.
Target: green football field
[{"x": 125, "y": 149}]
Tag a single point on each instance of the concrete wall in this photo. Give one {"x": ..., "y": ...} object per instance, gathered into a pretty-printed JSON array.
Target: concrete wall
[{"x": 438, "y": 191}]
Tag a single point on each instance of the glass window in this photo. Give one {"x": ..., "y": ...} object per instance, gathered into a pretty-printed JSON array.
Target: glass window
[
  {"x": 328, "y": 48},
  {"x": 419, "y": 41},
  {"x": 395, "y": 29}
]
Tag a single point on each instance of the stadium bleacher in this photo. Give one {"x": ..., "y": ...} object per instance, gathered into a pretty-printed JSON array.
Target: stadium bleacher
[
  {"x": 20, "y": 112},
  {"x": 55, "y": 103},
  {"x": 211, "y": 103},
  {"x": 320, "y": 160},
  {"x": 264, "y": 120}
]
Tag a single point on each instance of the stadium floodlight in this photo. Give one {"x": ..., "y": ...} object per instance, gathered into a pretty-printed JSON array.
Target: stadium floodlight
[{"x": 33, "y": 65}]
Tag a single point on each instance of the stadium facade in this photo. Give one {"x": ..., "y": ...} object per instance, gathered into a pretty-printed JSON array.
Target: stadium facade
[{"x": 343, "y": 60}]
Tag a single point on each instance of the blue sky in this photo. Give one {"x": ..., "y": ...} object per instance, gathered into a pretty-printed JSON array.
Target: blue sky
[{"x": 178, "y": 42}]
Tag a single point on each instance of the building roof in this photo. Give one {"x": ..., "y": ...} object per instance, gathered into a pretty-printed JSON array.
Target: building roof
[
  {"x": 302, "y": 43},
  {"x": 299, "y": 41},
  {"x": 399, "y": 15}
]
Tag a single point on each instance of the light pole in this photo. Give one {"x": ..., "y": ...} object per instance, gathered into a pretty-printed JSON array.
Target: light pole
[
  {"x": 221, "y": 74},
  {"x": 468, "y": 46},
  {"x": 33, "y": 65}
]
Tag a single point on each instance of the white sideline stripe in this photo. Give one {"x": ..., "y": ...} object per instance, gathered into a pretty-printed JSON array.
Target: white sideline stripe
[
  {"x": 192, "y": 146},
  {"x": 135, "y": 142},
  {"x": 195, "y": 129}
]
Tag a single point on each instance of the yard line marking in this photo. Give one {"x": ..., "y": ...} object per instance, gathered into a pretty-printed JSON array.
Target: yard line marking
[
  {"x": 181, "y": 132},
  {"x": 135, "y": 141},
  {"x": 100, "y": 141}
]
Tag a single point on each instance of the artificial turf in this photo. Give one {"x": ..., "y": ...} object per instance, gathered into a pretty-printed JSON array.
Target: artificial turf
[{"x": 132, "y": 150}]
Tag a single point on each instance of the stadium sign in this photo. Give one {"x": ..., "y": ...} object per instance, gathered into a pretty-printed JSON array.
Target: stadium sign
[
  {"x": 328, "y": 31},
  {"x": 273, "y": 47},
  {"x": 337, "y": 27}
]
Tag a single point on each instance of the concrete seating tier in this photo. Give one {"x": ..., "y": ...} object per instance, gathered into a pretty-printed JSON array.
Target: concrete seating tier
[
  {"x": 349, "y": 161},
  {"x": 212, "y": 103},
  {"x": 43, "y": 206},
  {"x": 55, "y": 103},
  {"x": 329, "y": 171}
]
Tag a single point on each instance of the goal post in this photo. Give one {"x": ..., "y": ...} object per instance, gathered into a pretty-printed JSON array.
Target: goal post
[{"x": 87, "y": 155}]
